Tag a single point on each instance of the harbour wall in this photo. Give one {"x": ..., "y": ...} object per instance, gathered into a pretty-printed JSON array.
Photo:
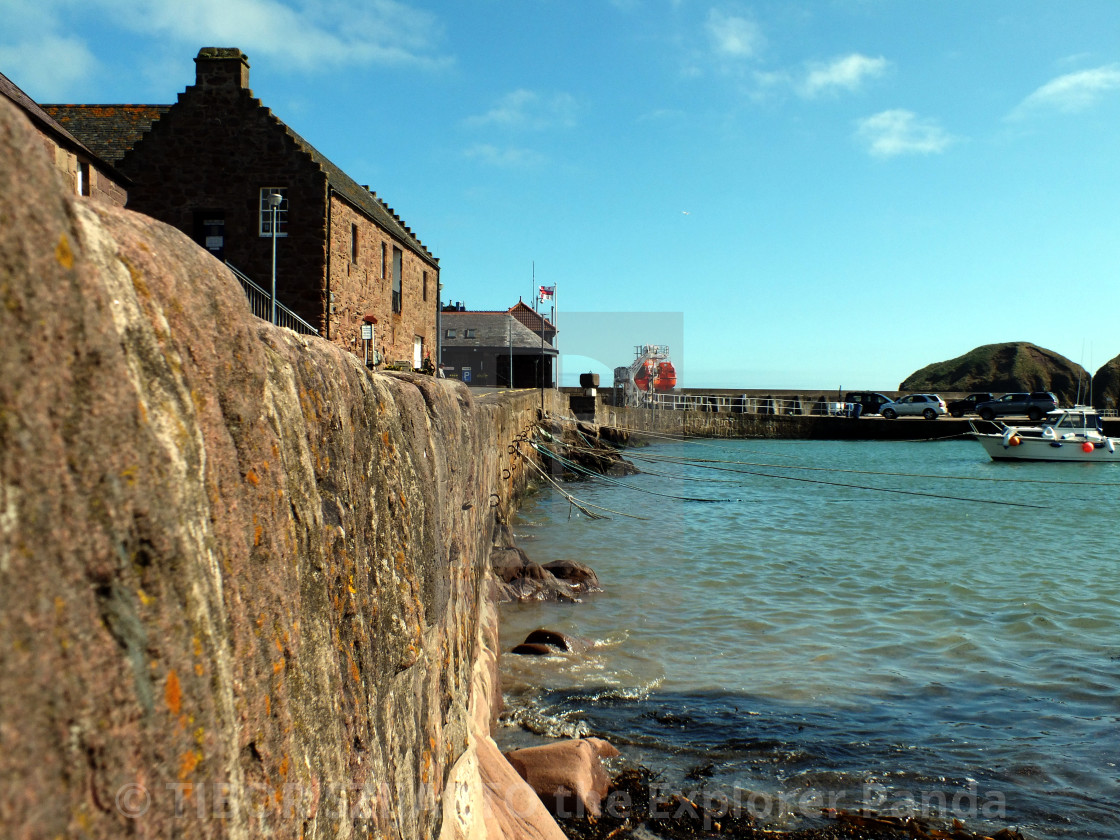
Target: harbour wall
[
  {"x": 244, "y": 582},
  {"x": 729, "y": 423}
]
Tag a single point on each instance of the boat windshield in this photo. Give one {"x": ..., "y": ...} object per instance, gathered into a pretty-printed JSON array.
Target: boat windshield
[{"x": 1074, "y": 420}]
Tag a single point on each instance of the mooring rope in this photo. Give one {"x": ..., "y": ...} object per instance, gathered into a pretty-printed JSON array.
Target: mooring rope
[
  {"x": 708, "y": 464},
  {"x": 578, "y": 468},
  {"x": 579, "y": 504}
]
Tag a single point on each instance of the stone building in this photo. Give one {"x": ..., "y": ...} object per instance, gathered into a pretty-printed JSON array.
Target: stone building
[
  {"x": 499, "y": 349},
  {"x": 85, "y": 172},
  {"x": 209, "y": 163}
]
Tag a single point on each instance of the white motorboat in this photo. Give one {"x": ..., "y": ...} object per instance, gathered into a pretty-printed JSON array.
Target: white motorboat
[{"x": 1066, "y": 434}]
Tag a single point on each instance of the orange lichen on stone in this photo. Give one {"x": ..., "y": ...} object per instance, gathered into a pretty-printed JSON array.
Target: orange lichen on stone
[
  {"x": 187, "y": 762},
  {"x": 173, "y": 692},
  {"x": 63, "y": 254},
  {"x": 252, "y": 477}
]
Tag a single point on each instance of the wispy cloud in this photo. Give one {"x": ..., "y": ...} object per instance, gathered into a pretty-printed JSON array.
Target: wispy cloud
[
  {"x": 901, "y": 132},
  {"x": 528, "y": 110},
  {"x": 49, "y": 68},
  {"x": 1072, "y": 92},
  {"x": 848, "y": 73},
  {"x": 733, "y": 36},
  {"x": 505, "y": 158},
  {"x": 309, "y": 34}
]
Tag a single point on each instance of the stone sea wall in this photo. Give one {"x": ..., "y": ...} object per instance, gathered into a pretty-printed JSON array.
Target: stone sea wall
[{"x": 244, "y": 583}]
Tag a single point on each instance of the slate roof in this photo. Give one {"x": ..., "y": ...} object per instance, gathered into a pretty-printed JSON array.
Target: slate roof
[
  {"x": 112, "y": 130},
  {"x": 492, "y": 329},
  {"x": 523, "y": 313},
  {"x": 109, "y": 130}
]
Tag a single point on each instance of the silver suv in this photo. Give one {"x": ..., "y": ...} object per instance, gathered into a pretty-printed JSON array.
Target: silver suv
[
  {"x": 930, "y": 406},
  {"x": 1034, "y": 405}
]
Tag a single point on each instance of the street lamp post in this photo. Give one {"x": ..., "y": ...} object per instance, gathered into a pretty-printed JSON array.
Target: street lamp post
[{"x": 274, "y": 200}]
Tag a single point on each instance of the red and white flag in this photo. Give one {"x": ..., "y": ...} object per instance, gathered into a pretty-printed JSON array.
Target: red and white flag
[{"x": 548, "y": 292}]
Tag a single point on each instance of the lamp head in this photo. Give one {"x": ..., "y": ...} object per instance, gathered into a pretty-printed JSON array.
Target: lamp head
[{"x": 275, "y": 199}]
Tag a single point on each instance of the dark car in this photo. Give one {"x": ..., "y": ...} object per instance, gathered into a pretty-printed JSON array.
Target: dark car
[
  {"x": 869, "y": 402},
  {"x": 959, "y": 408},
  {"x": 1034, "y": 405}
]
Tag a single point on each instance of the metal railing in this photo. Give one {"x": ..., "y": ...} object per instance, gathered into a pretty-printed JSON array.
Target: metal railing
[
  {"x": 260, "y": 302},
  {"x": 748, "y": 404}
]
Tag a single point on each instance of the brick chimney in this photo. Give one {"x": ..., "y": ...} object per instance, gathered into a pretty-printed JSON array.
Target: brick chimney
[{"x": 221, "y": 67}]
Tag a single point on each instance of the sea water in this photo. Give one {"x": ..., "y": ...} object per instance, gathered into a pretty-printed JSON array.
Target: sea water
[{"x": 904, "y": 626}]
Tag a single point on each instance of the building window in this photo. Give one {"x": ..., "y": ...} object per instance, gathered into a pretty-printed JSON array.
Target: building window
[
  {"x": 84, "y": 185},
  {"x": 449, "y": 334},
  {"x": 281, "y": 211},
  {"x": 424, "y": 287},
  {"x": 397, "y": 257},
  {"x": 353, "y": 243},
  {"x": 384, "y": 273},
  {"x": 468, "y": 333}
]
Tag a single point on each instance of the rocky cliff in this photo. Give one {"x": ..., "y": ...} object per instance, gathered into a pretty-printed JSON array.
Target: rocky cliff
[
  {"x": 1013, "y": 366},
  {"x": 243, "y": 581}
]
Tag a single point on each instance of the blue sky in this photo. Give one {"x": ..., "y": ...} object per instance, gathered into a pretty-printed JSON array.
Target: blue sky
[{"x": 825, "y": 194}]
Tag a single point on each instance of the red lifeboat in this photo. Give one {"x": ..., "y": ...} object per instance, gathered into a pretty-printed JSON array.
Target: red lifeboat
[
  {"x": 666, "y": 378},
  {"x": 644, "y": 374}
]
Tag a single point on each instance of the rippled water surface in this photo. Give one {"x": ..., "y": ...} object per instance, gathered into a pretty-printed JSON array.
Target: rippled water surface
[{"x": 908, "y": 626}]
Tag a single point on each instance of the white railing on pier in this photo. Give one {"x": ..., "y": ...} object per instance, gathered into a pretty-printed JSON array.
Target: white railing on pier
[{"x": 749, "y": 404}]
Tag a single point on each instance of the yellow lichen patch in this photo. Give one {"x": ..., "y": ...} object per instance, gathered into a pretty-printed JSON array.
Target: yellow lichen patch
[
  {"x": 129, "y": 474},
  {"x": 63, "y": 254},
  {"x": 173, "y": 692},
  {"x": 137, "y": 282},
  {"x": 252, "y": 477},
  {"x": 144, "y": 597}
]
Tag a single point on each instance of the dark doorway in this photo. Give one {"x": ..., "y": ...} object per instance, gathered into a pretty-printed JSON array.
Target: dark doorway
[{"x": 526, "y": 371}]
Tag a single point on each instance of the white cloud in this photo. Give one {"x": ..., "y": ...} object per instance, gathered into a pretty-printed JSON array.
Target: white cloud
[
  {"x": 527, "y": 110},
  {"x": 1072, "y": 92},
  {"x": 846, "y": 73},
  {"x": 506, "y": 158},
  {"x": 900, "y": 132},
  {"x": 49, "y": 68},
  {"x": 733, "y": 36},
  {"x": 307, "y": 34}
]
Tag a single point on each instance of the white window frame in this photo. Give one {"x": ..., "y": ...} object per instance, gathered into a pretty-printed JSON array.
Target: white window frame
[{"x": 265, "y": 213}]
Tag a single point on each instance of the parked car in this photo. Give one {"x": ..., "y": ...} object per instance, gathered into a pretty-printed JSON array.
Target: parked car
[
  {"x": 929, "y": 406},
  {"x": 959, "y": 408},
  {"x": 869, "y": 402},
  {"x": 1034, "y": 405}
]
